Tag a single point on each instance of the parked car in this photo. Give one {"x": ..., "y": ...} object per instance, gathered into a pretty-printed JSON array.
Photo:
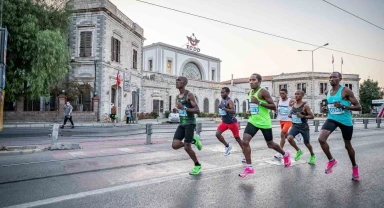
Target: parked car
[{"x": 173, "y": 118}]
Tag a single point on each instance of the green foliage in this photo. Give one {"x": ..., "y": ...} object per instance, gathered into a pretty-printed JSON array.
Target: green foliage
[
  {"x": 38, "y": 53},
  {"x": 369, "y": 90},
  {"x": 154, "y": 114},
  {"x": 166, "y": 114}
]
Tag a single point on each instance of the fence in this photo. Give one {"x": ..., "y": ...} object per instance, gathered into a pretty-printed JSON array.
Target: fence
[{"x": 149, "y": 129}]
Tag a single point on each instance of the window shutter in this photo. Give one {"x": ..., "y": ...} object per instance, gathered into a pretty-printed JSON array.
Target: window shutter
[
  {"x": 82, "y": 44},
  {"x": 112, "y": 49},
  {"x": 88, "y": 43}
]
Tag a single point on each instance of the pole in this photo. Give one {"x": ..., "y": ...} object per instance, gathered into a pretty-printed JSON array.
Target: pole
[
  {"x": 94, "y": 84},
  {"x": 2, "y": 96},
  {"x": 136, "y": 104},
  {"x": 313, "y": 83}
]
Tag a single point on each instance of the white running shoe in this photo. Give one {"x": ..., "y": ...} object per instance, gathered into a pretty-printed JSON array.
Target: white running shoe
[
  {"x": 228, "y": 150},
  {"x": 243, "y": 160},
  {"x": 278, "y": 156}
]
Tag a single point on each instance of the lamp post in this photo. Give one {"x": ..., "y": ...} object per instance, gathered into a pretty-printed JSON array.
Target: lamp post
[{"x": 313, "y": 70}]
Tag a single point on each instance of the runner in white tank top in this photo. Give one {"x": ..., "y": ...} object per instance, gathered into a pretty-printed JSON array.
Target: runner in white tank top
[{"x": 283, "y": 108}]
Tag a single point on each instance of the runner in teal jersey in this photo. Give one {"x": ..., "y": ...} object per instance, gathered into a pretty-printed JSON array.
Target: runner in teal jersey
[{"x": 341, "y": 101}]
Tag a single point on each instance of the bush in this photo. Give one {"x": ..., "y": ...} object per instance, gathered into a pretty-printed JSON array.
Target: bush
[
  {"x": 166, "y": 114},
  {"x": 203, "y": 115},
  {"x": 367, "y": 115},
  {"x": 154, "y": 115}
]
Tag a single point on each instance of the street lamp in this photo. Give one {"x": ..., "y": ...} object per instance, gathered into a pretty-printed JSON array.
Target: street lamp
[{"x": 313, "y": 68}]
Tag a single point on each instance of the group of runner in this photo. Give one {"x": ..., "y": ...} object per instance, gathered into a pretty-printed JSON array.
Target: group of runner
[{"x": 292, "y": 113}]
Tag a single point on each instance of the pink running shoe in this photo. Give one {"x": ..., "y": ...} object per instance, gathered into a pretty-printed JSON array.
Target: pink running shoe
[
  {"x": 247, "y": 171},
  {"x": 287, "y": 159},
  {"x": 355, "y": 174},
  {"x": 330, "y": 165}
]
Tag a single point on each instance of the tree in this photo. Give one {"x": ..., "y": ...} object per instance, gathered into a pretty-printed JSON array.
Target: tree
[
  {"x": 38, "y": 53},
  {"x": 369, "y": 91}
]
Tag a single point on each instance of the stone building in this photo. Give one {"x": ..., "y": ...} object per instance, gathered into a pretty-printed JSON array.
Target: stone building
[
  {"x": 163, "y": 63},
  {"x": 104, "y": 42},
  {"x": 302, "y": 81}
]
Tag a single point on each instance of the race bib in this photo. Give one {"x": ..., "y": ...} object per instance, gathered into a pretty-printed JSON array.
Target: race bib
[
  {"x": 253, "y": 108},
  {"x": 182, "y": 113},
  {"x": 222, "y": 112},
  {"x": 335, "y": 111},
  {"x": 283, "y": 110},
  {"x": 295, "y": 119}
]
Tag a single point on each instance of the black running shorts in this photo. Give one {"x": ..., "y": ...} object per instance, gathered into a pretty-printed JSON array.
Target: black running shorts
[
  {"x": 331, "y": 125},
  {"x": 294, "y": 131},
  {"x": 185, "y": 131},
  {"x": 252, "y": 130}
]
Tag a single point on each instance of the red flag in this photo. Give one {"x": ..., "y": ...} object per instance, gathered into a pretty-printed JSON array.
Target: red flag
[
  {"x": 332, "y": 59},
  {"x": 118, "y": 79}
]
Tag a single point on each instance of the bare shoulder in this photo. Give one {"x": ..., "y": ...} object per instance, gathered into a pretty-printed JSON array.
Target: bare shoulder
[{"x": 347, "y": 92}]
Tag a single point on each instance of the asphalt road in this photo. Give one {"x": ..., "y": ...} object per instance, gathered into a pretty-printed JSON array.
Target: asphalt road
[{"x": 157, "y": 176}]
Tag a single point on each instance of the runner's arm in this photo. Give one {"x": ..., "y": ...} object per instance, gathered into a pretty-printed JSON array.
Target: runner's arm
[
  {"x": 195, "y": 107},
  {"x": 355, "y": 103},
  {"x": 307, "y": 109},
  {"x": 231, "y": 108},
  {"x": 270, "y": 104}
]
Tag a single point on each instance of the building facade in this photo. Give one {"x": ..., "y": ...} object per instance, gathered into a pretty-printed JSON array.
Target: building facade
[
  {"x": 171, "y": 60},
  {"x": 314, "y": 91},
  {"x": 105, "y": 44},
  {"x": 163, "y": 63}
]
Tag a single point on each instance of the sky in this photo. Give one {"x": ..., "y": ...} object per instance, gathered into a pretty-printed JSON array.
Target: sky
[{"x": 244, "y": 52}]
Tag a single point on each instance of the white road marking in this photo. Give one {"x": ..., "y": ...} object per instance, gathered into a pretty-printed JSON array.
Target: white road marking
[
  {"x": 77, "y": 154},
  {"x": 145, "y": 183}
]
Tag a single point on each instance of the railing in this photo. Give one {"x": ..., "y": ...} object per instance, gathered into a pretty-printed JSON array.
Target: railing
[{"x": 149, "y": 129}]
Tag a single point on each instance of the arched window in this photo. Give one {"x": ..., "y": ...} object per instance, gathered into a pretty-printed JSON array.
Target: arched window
[
  {"x": 206, "y": 105},
  {"x": 217, "y": 102}
]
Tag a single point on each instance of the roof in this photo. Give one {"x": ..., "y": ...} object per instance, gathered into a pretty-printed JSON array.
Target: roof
[{"x": 245, "y": 80}]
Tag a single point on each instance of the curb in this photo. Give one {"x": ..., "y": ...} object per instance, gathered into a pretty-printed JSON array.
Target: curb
[{"x": 20, "y": 152}]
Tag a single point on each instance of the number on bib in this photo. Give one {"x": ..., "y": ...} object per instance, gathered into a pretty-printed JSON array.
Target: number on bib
[
  {"x": 283, "y": 110},
  {"x": 222, "y": 112},
  {"x": 182, "y": 112},
  {"x": 295, "y": 119},
  {"x": 253, "y": 108},
  {"x": 335, "y": 111}
]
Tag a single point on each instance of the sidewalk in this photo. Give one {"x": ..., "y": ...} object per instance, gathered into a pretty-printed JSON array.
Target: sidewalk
[{"x": 158, "y": 140}]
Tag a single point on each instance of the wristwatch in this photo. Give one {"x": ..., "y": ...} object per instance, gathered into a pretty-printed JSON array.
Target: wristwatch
[{"x": 343, "y": 107}]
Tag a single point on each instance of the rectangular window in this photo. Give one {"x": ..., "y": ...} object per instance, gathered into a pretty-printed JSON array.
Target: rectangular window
[
  {"x": 323, "y": 88},
  {"x": 283, "y": 86},
  {"x": 85, "y": 44},
  {"x": 134, "y": 59},
  {"x": 170, "y": 103},
  {"x": 158, "y": 106},
  {"x": 213, "y": 75},
  {"x": 150, "y": 65},
  {"x": 302, "y": 86},
  {"x": 115, "y": 50},
  {"x": 169, "y": 67},
  {"x": 349, "y": 86}
]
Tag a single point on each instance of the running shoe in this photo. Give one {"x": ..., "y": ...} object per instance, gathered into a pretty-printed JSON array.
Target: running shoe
[
  {"x": 228, "y": 150},
  {"x": 312, "y": 160},
  {"x": 330, "y": 165},
  {"x": 198, "y": 143},
  {"x": 355, "y": 174},
  {"x": 298, "y": 154},
  {"x": 246, "y": 172},
  {"x": 287, "y": 159},
  {"x": 195, "y": 170},
  {"x": 278, "y": 156}
]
